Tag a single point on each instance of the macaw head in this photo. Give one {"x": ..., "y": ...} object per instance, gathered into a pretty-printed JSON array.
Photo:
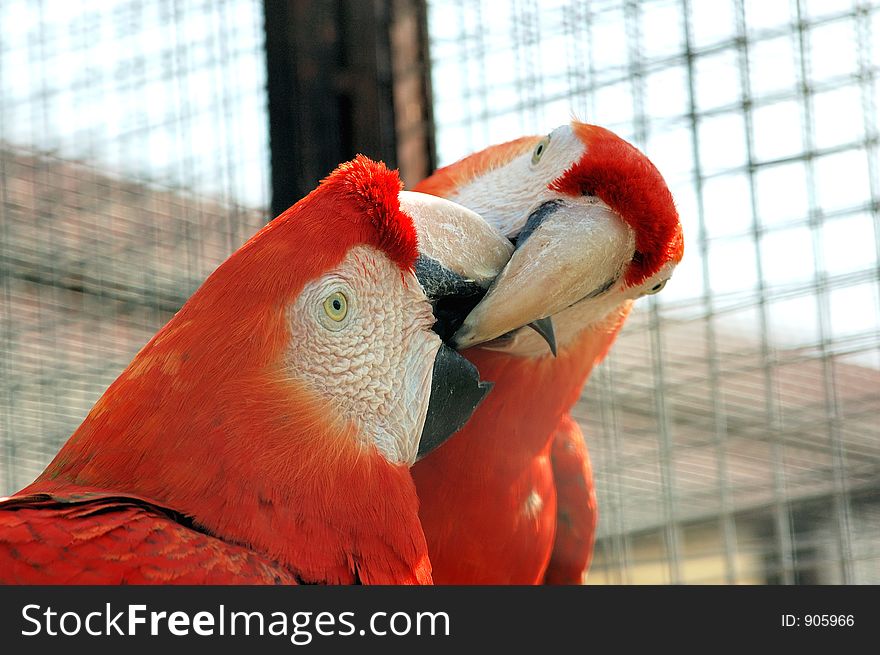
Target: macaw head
[
  {"x": 591, "y": 219},
  {"x": 360, "y": 327}
]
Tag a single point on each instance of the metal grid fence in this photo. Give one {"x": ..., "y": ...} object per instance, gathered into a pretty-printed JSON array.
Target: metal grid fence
[
  {"x": 735, "y": 428},
  {"x": 133, "y": 160}
]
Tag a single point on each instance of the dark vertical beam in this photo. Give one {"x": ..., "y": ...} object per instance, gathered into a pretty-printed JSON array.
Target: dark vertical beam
[
  {"x": 301, "y": 58},
  {"x": 413, "y": 103},
  {"x": 333, "y": 92}
]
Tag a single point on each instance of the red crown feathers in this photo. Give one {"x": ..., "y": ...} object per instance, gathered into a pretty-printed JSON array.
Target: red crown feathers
[
  {"x": 375, "y": 190},
  {"x": 626, "y": 180}
]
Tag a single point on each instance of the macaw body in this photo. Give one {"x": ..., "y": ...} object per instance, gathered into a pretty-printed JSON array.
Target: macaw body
[
  {"x": 527, "y": 464},
  {"x": 265, "y": 434},
  {"x": 511, "y": 498}
]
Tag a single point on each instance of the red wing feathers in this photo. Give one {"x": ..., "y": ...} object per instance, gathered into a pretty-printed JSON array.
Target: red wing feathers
[
  {"x": 118, "y": 540},
  {"x": 576, "y": 511}
]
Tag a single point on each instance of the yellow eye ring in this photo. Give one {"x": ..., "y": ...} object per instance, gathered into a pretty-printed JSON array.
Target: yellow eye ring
[
  {"x": 336, "y": 306},
  {"x": 540, "y": 149},
  {"x": 657, "y": 288}
]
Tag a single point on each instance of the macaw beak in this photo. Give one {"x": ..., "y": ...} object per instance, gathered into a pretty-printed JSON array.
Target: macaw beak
[
  {"x": 572, "y": 248},
  {"x": 456, "y": 391},
  {"x": 460, "y": 255}
]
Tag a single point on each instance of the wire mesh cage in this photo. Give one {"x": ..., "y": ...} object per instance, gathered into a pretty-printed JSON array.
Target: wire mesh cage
[
  {"x": 734, "y": 428},
  {"x": 133, "y": 160}
]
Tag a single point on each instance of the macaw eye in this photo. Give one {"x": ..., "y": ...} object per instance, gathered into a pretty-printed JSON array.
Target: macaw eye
[
  {"x": 540, "y": 149},
  {"x": 657, "y": 288},
  {"x": 336, "y": 306}
]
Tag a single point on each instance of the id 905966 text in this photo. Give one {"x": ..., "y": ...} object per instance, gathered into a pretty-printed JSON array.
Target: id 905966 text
[{"x": 818, "y": 620}]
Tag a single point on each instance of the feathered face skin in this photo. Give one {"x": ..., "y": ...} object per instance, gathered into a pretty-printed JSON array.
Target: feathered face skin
[
  {"x": 337, "y": 322},
  {"x": 593, "y": 222},
  {"x": 281, "y": 407}
]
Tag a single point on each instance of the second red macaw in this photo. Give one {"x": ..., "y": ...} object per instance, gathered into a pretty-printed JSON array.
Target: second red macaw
[{"x": 510, "y": 498}]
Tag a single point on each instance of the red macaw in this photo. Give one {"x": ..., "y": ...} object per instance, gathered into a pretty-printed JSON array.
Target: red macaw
[
  {"x": 265, "y": 434},
  {"x": 510, "y": 499}
]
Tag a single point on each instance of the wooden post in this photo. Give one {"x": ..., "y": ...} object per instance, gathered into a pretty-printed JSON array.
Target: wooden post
[{"x": 346, "y": 77}]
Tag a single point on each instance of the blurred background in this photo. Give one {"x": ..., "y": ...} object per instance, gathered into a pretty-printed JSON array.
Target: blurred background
[{"x": 735, "y": 427}]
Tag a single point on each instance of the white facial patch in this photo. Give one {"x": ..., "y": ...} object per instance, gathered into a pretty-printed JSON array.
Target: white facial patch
[
  {"x": 361, "y": 338},
  {"x": 507, "y": 195}
]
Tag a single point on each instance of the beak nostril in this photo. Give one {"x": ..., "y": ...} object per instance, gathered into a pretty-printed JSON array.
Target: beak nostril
[{"x": 638, "y": 258}]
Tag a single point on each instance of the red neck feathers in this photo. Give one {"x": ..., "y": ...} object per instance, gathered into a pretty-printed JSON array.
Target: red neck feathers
[{"x": 445, "y": 181}]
